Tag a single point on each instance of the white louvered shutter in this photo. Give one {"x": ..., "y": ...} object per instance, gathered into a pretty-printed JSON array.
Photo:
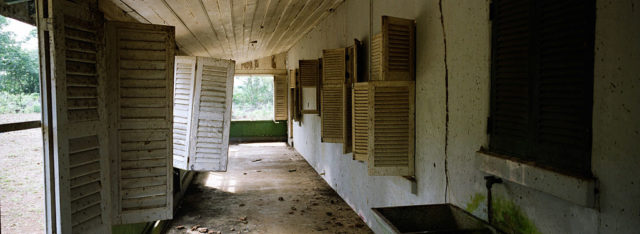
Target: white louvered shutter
[
  {"x": 211, "y": 118},
  {"x": 184, "y": 76},
  {"x": 78, "y": 123},
  {"x": 391, "y": 128},
  {"x": 140, "y": 66}
]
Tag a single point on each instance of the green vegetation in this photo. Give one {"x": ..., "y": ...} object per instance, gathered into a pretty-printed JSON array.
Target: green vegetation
[
  {"x": 252, "y": 98},
  {"x": 19, "y": 85},
  {"x": 19, "y": 103}
]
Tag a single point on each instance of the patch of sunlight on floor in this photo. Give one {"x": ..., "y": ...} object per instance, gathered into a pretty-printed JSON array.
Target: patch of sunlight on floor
[
  {"x": 221, "y": 182},
  {"x": 265, "y": 144}
]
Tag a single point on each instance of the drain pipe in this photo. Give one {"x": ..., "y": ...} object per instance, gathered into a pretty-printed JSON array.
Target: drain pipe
[{"x": 490, "y": 180}]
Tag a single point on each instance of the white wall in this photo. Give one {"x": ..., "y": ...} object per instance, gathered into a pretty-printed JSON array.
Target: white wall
[{"x": 616, "y": 146}]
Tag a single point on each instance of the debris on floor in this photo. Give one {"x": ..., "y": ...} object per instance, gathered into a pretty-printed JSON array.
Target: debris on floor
[
  {"x": 256, "y": 160},
  {"x": 276, "y": 200}
]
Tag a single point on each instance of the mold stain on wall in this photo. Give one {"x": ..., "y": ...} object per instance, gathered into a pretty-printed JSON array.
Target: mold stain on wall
[
  {"x": 475, "y": 202},
  {"x": 509, "y": 217}
]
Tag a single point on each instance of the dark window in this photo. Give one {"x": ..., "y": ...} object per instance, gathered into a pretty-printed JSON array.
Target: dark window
[{"x": 542, "y": 82}]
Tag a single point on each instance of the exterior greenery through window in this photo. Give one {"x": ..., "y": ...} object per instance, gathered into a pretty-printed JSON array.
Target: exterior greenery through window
[
  {"x": 542, "y": 82},
  {"x": 19, "y": 85},
  {"x": 252, "y": 98}
]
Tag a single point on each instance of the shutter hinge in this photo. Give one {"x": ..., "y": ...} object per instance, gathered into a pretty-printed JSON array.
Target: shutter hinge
[
  {"x": 491, "y": 10},
  {"x": 489, "y": 125}
]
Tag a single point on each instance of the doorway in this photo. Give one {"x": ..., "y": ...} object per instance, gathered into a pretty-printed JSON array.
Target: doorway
[{"x": 22, "y": 206}]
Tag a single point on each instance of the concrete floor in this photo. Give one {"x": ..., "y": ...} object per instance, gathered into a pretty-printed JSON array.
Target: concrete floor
[{"x": 268, "y": 188}]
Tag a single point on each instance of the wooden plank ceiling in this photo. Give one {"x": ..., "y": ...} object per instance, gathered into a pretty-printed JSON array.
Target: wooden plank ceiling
[{"x": 242, "y": 30}]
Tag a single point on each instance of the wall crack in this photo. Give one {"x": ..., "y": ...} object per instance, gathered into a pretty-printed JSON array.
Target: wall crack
[{"x": 446, "y": 124}]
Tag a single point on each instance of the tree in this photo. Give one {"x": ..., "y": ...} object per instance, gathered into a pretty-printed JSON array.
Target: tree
[
  {"x": 253, "y": 97},
  {"x": 18, "y": 67}
]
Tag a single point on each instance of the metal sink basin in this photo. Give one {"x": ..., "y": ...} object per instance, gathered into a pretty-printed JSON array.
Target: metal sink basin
[{"x": 438, "y": 218}]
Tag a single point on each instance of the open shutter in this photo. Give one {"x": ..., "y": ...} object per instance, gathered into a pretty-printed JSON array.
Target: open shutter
[
  {"x": 292, "y": 78},
  {"x": 211, "y": 116},
  {"x": 141, "y": 60},
  {"x": 398, "y": 49},
  {"x": 293, "y": 92},
  {"x": 391, "y": 128},
  {"x": 298, "y": 93},
  {"x": 333, "y": 90},
  {"x": 72, "y": 59},
  {"x": 360, "y": 120},
  {"x": 352, "y": 77},
  {"x": 184, "y": 76},
  {"x": 376, "y": 57},
  {"x": 309, "y": 78},
  {"x": 280, "y": 96}
]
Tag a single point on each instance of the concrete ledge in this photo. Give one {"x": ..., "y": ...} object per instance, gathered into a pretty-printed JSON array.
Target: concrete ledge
[{"x": 573, "y": 189}]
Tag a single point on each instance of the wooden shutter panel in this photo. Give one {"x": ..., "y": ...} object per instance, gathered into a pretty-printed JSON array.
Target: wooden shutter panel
[
  {"x": 511, "y": 75},
  {"x": 309, "y": 72},
  {"x": 351, "y": 78},
  {"x": 292, "y": 78},
  {"x": 211, "y": 116},
  {"x": 376, "y": 57},
  {"x": 295, "y": 94},
  {"x": 141, "y": 69},
  {"x": 280, "y": 104},
  {"x": 360, "y": 121},
  {"x": 542, "y": 82},
  {"x": 75, "y": 88},
  {"x": 391, "y": 128},
  {"x": 333, "y": 90},
  {"x": 564, "y": 85},
  {"x": 398, "y": 48},
  {"x": 185, "y": 73},
  {"x": 309, "y": 79}
]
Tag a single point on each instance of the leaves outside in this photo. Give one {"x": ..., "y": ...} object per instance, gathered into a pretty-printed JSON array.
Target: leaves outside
[
  {"x": 252, "y": 98},
  {"x": 19, "y": 85}
]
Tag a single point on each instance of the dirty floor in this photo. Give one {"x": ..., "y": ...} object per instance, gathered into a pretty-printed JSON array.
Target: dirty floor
[
  {"x": 21, "y": 178},
  {"x": 268, "y": 188}
]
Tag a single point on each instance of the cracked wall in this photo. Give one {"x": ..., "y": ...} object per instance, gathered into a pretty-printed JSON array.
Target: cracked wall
[{"x": 455, "y": 83}]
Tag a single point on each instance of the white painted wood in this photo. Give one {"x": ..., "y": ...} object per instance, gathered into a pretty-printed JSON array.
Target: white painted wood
[
  {"x": 75, "y": 126},
  {"x": 211, "y": 115},
  {"x": 226, "y": 29},
  {"x": 141, "y": 88},
  {"x": 184, "y": 82}
]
